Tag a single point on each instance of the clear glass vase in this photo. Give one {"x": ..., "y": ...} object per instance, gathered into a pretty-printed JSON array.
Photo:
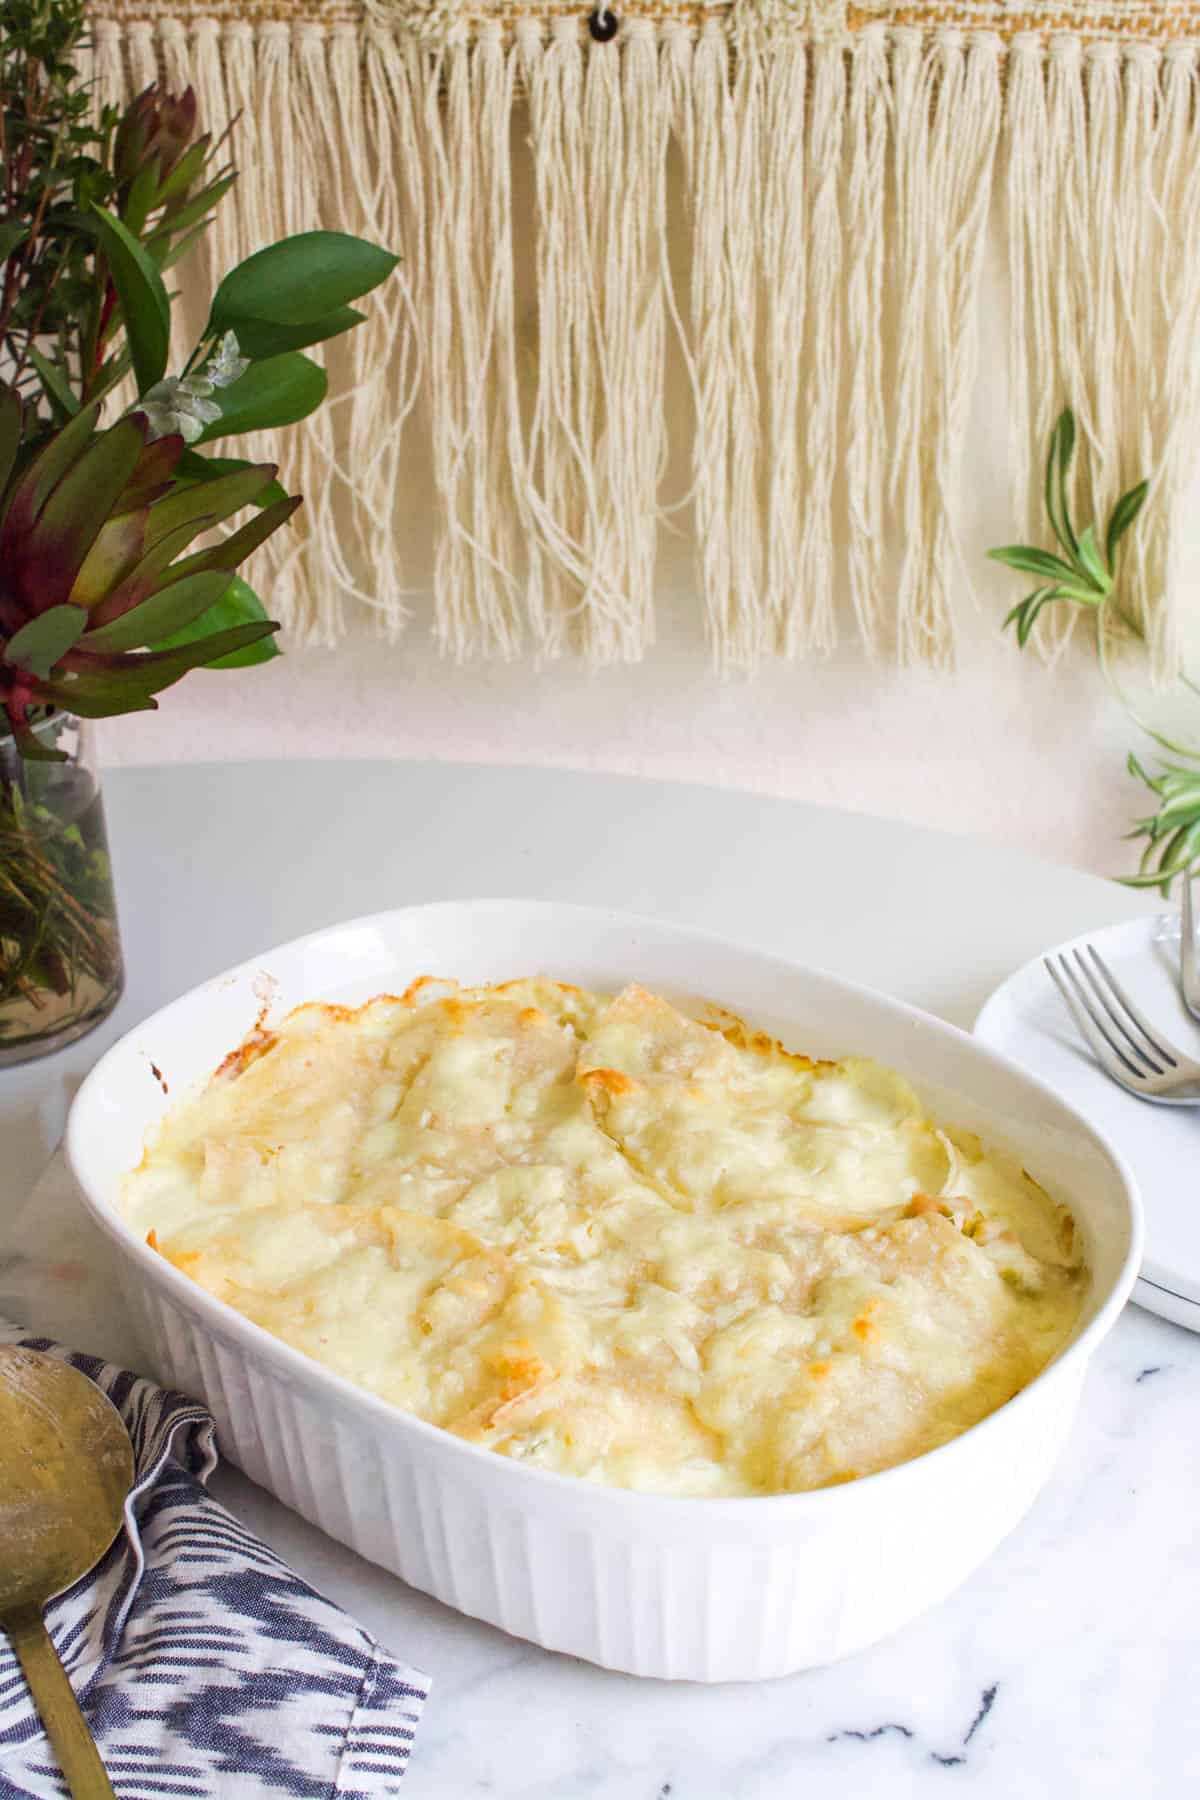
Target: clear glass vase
[{"x": 60, "y": 951}]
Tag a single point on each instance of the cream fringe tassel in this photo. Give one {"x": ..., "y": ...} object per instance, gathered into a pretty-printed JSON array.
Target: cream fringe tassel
[
  {"x": 1103, "y": 179},
  {"x": 828, "y": 205}
]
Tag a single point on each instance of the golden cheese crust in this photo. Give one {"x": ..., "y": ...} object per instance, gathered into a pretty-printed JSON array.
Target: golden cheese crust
[{"x": 613, "y": 1240}]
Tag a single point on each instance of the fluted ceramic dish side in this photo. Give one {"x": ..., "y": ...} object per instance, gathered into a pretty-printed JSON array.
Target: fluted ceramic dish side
[{"x": 706, "y": 1590}]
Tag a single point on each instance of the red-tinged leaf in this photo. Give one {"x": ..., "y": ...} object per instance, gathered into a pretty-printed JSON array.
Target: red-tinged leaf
[
  {"x": 156, "y": 469},
  {"x": 41, "y": 643},
  {"x": 145, "y": 576},
  {"x": 174, "y": 121},
  {"x": 209, "y": 501},
  {"x": 193, "y": 467},
  {"x": 157, "y": 669},
  {"x": 29, "y": 744},
  {"x": 133, "y": 131},
  {"x": 47, "y": 565},
  {"x": 238, "y": 545},
  {"x": 113, "y": 556},
  {"x": 169, "y": 610},
  {"x": 103, "y": 698},
  {"x": 238, "y": 605},
  {"x": 170, "y": 666},
  {"x": 44, "y": 472}
]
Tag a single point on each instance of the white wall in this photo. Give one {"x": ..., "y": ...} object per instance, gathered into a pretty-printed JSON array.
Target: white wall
[
  {"x": 1006, "y": 750},
  {"x": 1003, "y": 749}
]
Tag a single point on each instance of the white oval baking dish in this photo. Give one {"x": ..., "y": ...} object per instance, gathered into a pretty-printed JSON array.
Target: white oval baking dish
[{"x": 705, "y": 1590}]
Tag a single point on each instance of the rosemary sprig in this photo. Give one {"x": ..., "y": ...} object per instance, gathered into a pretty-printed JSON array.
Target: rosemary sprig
[{"x": 1089, "y": 576}]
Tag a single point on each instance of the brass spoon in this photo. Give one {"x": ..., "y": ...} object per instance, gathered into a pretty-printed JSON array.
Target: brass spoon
[{"x": 66, "y": 1465}]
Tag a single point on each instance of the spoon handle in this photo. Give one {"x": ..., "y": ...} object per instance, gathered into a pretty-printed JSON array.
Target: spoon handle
[{"x": 65, "y": 1725}]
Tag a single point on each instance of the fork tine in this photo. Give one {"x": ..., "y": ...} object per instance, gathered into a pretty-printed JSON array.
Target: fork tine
[
  {"x": 1112, "y": 1011},
  {"x": 1164, "y": 1051},
  {"x": 1110, "y": 1058}
]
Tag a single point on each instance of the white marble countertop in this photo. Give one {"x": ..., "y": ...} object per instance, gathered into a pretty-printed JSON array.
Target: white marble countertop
[{"x": 1068, "y": 1665}]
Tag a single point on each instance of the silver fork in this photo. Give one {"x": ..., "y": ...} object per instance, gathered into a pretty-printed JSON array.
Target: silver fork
[
  {"x": 1189, "y": 976},
  {"x": 1124, "y": 1043}
]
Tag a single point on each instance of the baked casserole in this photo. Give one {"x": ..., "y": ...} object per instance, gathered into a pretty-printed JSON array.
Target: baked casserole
[{"x": 613, "y": 1240}]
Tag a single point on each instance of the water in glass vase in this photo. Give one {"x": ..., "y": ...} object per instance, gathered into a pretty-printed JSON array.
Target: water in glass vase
[{"x": 60, "y": 953}]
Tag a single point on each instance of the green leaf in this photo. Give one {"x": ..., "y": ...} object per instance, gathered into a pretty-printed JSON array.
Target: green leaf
[
  {"x": 143, "y": 191},
  {"x": 196, "y": 209},
  {"x": 299, "y": 280},
  {"x": 1145, "y": 881},
  {"x": 1172, "y": 850},
  {"x": 192, "y": 468},
  {"x": 259, "y": 338},
  {"x": 178, "y": 250},
  {"x": 1062, "y": 447},
  {"x": 41, "y": 642},
  {"x": 111, "y": 371},
  {"x": 10, "y": 432},
  {"x": 276, "y": 392},
  {"x": 1093, "y": 562},
  {"x": 169, "y": 609},
  {"x": 186, "y": 169},
  {"x": 1172, "y": 833},
  {"x": 1123, "y": 514},
  {"x": 1024, "y": 614},
  {"x": 55, "y": 382},
  {"x": 1184, "y": 809},
  {"x": 145, "y": 308},
  {"x": 1031, "y": 561},
  {"x": 12, "y": 235},
  {"x": 238, "y": 605}
]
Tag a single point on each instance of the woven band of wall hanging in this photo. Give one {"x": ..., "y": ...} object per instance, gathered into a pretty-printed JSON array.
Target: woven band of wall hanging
[{"x": 713, "y": 269}]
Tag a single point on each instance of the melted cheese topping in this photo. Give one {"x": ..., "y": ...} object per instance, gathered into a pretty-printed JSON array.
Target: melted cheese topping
[{"x": 613, "y": 1241}]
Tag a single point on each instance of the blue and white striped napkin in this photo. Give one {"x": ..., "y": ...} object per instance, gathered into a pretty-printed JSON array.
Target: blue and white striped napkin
[{"x": 204, "y": 1666}]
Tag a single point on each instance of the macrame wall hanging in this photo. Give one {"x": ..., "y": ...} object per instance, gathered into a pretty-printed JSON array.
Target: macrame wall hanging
[{"x": 764, "y": 221}]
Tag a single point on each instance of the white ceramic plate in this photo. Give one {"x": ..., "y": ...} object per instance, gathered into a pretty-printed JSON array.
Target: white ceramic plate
[
  {"x": 1026, "y": 1021},
  {"x": 708, "y": 1590}
]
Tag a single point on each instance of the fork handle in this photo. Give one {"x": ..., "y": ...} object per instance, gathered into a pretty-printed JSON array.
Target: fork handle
[{"x": 55, "y": 1699}]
